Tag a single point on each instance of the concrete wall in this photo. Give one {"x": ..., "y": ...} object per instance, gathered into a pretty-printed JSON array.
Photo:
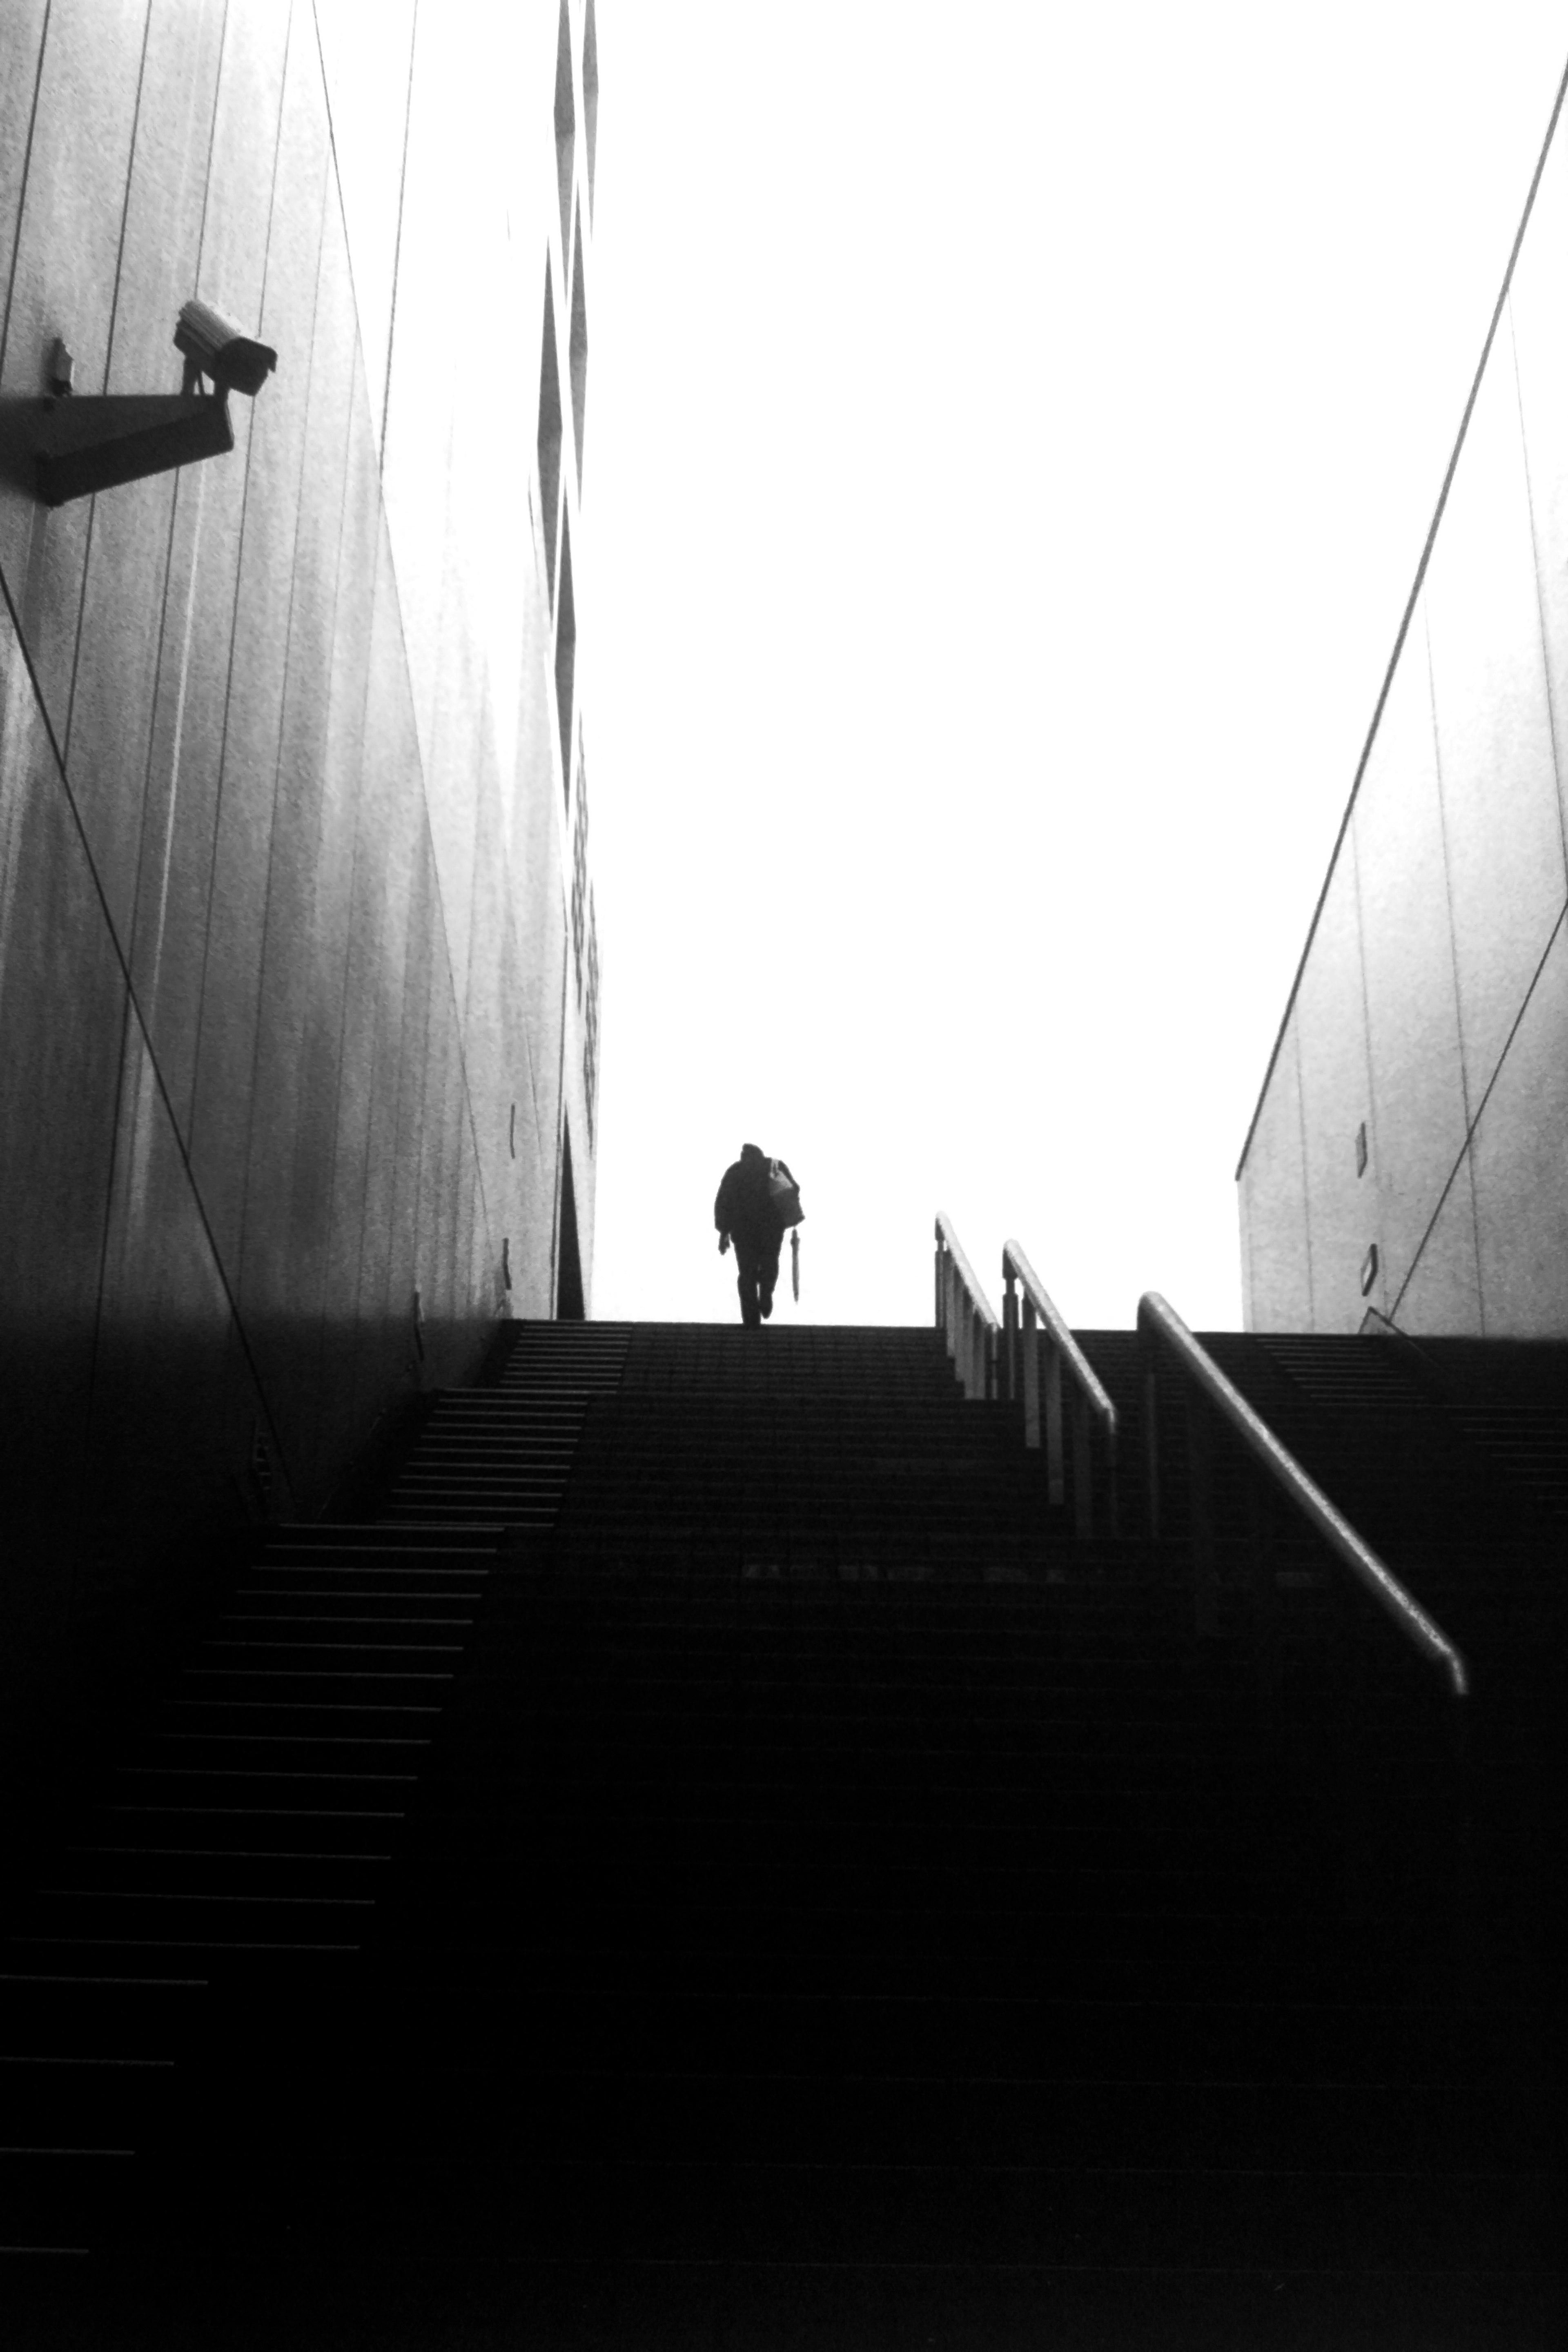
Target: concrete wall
[
  {"x": 288, "y": 1026},
  {"x": 1431, "y": 1008}
]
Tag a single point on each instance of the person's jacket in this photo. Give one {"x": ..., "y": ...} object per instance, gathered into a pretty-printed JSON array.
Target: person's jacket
[{"x": 744, "y": 1203}]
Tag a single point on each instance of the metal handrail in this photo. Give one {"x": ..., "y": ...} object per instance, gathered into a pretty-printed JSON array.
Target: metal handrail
[
  {"x": 963, "y": 1316},
  {"x": 1040, "y": 1313},
  {"x": 1159, "y": 1319}
]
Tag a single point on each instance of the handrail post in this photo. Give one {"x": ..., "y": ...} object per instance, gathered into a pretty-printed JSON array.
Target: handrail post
[
  {"x": 1265, "y": 1598},
  {"x": 1200, "y": 1472},
  {"x": 964, "y": 1314},
  {"x": 1152, "y": 1439},
  {"x": 1009, "y": 1382},
  {"x": 1055, "y": 1466},
  {"x": 1039, "y": 1329},
  {"x": 1082, "y": 1476}
]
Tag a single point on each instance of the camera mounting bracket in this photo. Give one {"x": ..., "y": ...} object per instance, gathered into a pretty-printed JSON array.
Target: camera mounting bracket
[{"x": 82, "y": 446}]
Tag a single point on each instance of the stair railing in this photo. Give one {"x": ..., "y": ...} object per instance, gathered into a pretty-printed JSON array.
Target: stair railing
[
  {"x": 963, "y": 1316},
  {"x": 1209, "y": 1395},
  {"x": 1034, "y": 1328}
]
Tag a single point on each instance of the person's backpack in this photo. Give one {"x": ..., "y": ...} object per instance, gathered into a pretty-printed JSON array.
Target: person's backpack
[{"x": 783, "y": 1194}]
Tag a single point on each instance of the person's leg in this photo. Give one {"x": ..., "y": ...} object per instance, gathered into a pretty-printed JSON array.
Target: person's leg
[
  {"x": 746, "y": 1269},
  {"x": 768, "y": 1275}
]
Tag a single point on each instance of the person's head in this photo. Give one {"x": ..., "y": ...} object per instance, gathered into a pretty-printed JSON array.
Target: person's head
[{"x": 752, "y": 1151}]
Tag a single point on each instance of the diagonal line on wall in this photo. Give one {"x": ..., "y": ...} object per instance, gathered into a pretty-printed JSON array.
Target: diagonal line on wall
[
  {"x": 117, "y": 951},
  {"x": 1481, "y": 1110}
]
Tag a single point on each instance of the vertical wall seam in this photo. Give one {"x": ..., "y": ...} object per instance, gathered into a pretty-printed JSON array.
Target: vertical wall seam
[
  {"x": 382, "y": 1026},
  {"x": 1375, "y": 1158},
  {"x": 117, "y": 949},
  {"x": 74, "y": 1558},
  {"x": 152, "y": 728},
  {"x": 397, "y": 243},
  {"x": 337, "y": 178},
  {"x": 459, "y": 996},
  {"x": 1454, "y": 961},
  {"x": 559, "y": 1130},
  {"x": 111, "y": 1176},
  {"x": 348, "y": 962},
  {"x": 1306, "y": 1187},
  {"x": 1472, "y": 1126},
  {"x": 1403, "y": 629},
  {"x": 288, "y": 657},
  {"x": 357, "y": 1319},
  {"x": 1552, "y": 715},
  {"x": 125, "y": 208},
  {"x": 234, "y": 615},
  {"x": 402, "y": 1109},
  {"x": 108, "y": 365},
  {"x": 468, "y": 1000},
  {"x": 347, "y": 940},
  {"x": 332, "y": 641},
  {"x": 22, "y": 182},
  {"x": 212, "y": 141},
  {"x": 174, "y": 513}
]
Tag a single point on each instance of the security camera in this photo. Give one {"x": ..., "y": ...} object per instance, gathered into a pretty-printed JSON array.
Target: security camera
[
  {"x": 81, "y": 446},
  {"x": 213, "y": 345}
]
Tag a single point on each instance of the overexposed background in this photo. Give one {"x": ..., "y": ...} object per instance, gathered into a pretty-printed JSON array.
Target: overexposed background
[{"x": 1011, "y": 436}]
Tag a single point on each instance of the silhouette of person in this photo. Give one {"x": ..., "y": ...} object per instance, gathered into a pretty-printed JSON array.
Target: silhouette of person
[{"x": 745, "y": 1213}]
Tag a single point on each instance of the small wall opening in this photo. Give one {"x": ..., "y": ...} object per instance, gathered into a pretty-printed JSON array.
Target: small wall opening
[
  {"x": 565, "y": 125},
  {"x": 565, "y": 654},
  {"x": 570, "y": 1306},
  {"x": 550, "y": 424},
  {"x": 577, "y": 351}
]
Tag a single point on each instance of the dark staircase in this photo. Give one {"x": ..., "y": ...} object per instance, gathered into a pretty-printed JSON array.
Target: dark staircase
[{"x": 717, "y": 1864}]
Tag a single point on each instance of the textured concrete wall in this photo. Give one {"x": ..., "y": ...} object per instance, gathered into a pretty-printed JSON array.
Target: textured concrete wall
[
  {"x": 1432, "y": 1003},
  {"x": 288, "y": 1026}
]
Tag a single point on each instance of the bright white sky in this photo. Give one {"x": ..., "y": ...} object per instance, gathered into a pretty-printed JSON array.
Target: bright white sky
[{"x": 1011, "y": 435}]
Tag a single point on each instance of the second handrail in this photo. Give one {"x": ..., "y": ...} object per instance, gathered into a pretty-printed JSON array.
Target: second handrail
[
  {"x": 963, "y": 1316},
  {"x": 1089, "y": 1401},
  {"x": 1158, "y": 1317}
]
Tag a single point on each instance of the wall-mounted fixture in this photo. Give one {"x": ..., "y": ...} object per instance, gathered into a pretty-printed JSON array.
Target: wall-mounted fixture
[{"x": 81, "y": 444}]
